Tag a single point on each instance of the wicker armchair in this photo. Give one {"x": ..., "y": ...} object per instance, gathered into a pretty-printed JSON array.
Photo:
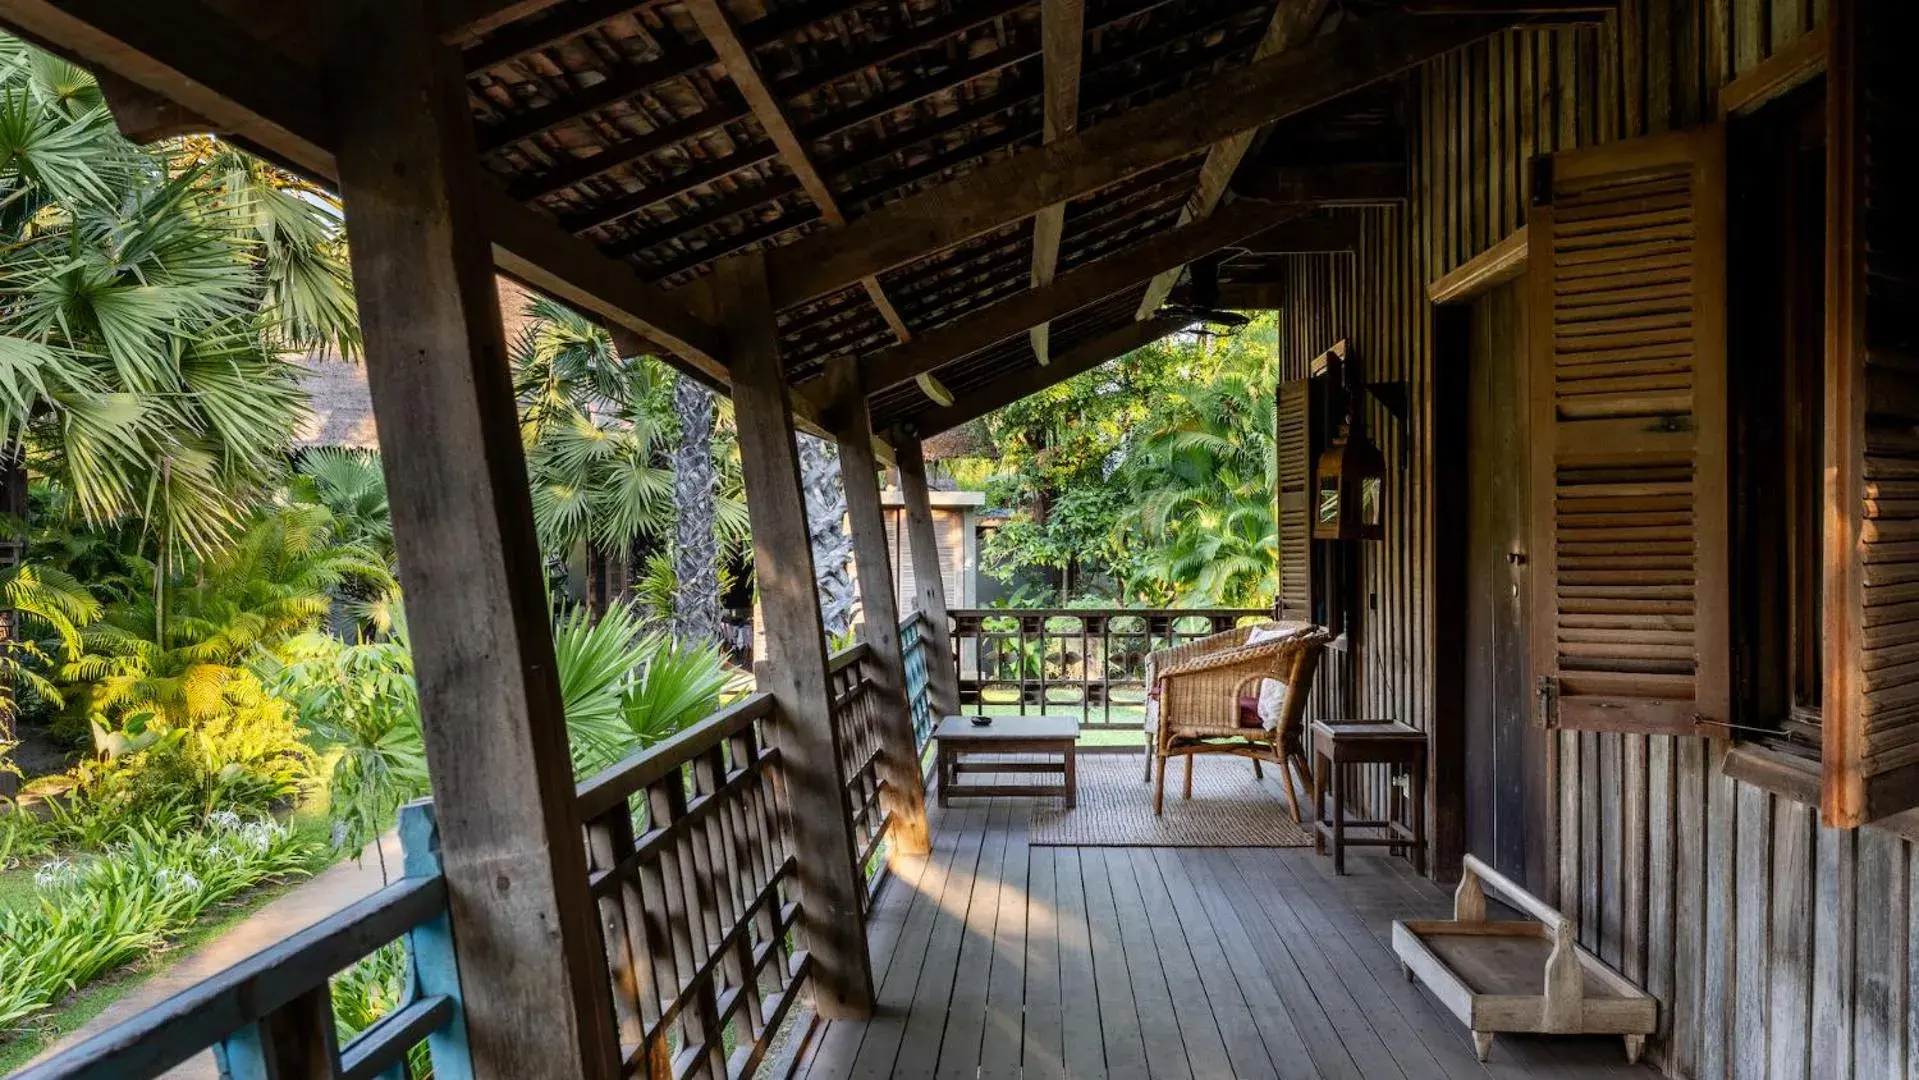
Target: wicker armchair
[{"x": 1197, "y": 689}]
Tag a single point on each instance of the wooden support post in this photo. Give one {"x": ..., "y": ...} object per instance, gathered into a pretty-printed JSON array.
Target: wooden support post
[
  {"x": 941, "y": 673},
  {"x": 905, "y": 791},
  {"x": 532, "y": 968},
  {"x": 793, "y": 670}
]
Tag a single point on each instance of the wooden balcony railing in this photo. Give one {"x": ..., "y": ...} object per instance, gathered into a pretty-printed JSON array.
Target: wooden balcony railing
[
  {"x": 919, "y": 684},
  {"x": 692, "y": 866},
  {"x": 694, "y": 873},
  {"x": 1090, "y": 663},
  {"x": 271, "y": 1015}
]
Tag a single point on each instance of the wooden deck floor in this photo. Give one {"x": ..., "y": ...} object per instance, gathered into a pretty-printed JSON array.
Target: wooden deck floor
[{"x": 998, "y": 959}]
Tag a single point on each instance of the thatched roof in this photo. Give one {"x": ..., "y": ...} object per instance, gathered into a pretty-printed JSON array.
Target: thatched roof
[{"x": 342, "y": 411}]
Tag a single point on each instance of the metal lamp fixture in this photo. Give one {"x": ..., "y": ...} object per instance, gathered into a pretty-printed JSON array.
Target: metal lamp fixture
[{"x": 1349, "y": 484}]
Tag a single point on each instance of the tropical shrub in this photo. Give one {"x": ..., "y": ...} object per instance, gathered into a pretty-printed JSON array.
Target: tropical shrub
[
  {"x": 362, "y": 707},
  {"x": 371, "y": 990},
  {"x": 97, "y": 914},
  {"x": 625, "y": 688}
]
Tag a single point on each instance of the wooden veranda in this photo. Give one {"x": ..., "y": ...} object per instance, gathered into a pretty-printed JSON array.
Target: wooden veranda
[{"x": 1623, "y": 288}]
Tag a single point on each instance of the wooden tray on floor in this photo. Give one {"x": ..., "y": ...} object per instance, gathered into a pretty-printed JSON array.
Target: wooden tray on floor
[{"x": 1519, "y": 976}]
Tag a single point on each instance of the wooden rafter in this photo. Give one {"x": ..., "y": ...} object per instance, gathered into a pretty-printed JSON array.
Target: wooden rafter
[
  {"x": 1069, "y": 292},
  {"x": 1293, "y": 22},
  {"x": 1306, "y": 236},
  {"x": 1356, "y": 184},
  {"x": 572, "y": 20},
  {"x": 630, "y": 150},
  {"x": 1023, "y": 184},
  {"x": 464, "y": 20},
  {"x": 1062, "y": 29},
  {"x": 188, "y": 53},
  {"x": 676, "y": 61},
  {"x": 1010, "y": 388},
  {"x": 737, "y": 58}
]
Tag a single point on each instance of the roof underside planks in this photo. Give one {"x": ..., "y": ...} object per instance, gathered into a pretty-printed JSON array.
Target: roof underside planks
[{"x": 625, "y": 147}]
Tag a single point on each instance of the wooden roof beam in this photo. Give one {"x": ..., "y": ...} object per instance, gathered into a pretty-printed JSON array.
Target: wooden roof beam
[
  {"x": 676, "y": 61},
  {"x": 924, "y": 35},
  {"x": 1062, "y": 32},
  {"x": 1293, "y": 22},
  {"x": 1023, "y": 184},
  {"x": 187, "y": 53},
  {"x": 672, "y": 187},
  {"x": 737, "y": 59},
  {"x": 1360, "y": 184},
  {"x": 1067, "y": 293},
  {"x": 1007, "y": 389},
  {"x": 271, "y": 103},
  {"x": 579, "y": 170},
  {"x": 464, "y": 20},
  {"x": 1306, "y": 236},
  {"x": 1241, "y": 295},
  {"x": 572, "y": 20}
]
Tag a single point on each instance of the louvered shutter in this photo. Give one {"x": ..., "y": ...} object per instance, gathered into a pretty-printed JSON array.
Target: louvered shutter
[
  {"x": 1629, "y": 470},
  {"x": 1295, "y": 448},
  {"x": 1870, "y": 711}
]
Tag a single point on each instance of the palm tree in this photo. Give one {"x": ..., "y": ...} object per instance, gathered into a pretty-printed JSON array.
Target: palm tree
[
  {"x": 826, "y": 526},
  {"x": 596, "y": 433},
  {"x": 611, "y": 461},
  {"x": 1206, "y": 477},
  {"x": 145, "y": 297},
  {"x": 349, "y": 483},
  {"x": 696, "y": 547}
]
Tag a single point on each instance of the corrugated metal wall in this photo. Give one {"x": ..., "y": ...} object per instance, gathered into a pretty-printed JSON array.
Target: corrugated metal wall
[{"x": 1778, "y": 948}]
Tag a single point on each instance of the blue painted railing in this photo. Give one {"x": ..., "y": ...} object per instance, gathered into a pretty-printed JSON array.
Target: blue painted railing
[
  {"x": 271, "y": 1015},
  {"x": 919, "y": 685}
]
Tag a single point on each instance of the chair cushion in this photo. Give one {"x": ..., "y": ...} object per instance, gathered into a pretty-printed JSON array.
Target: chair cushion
[
  {"x": 1272, "y": 692},
  {"x": 1249, "y": 716}
]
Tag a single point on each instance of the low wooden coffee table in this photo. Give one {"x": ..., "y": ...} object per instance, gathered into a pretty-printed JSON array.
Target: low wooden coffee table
[{"x": 959, "y": 737}]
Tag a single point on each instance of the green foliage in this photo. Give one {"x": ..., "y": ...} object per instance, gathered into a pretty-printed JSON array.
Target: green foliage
[
  {"x": 1207, "y": 478},
  {"x": 370, "y": 991},
  {"x": 624, "y": 688},
  {"x": 1146, "y": 480},
  {"x": 97, "y": 914},
  {"x": 598, "y": 429},
  {"x": 350, "y": 484},
  {"x": 362, "y": 706},
  {"x": 145, "y": 298}
]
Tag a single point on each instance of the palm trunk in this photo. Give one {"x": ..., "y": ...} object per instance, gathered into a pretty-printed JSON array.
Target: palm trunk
[
  {"x": 13, "y": 552},
  {"x": 696, "y": 547},
  {"x": 826, "y": 524}
]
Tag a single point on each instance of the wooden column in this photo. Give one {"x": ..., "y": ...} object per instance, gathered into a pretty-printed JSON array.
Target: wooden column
[
  {"x": 532, "y": 966},
  {"x": 852, "y": 425},
  {"x": 793, "y": 670},
  {"x": 942, "y": 676}
]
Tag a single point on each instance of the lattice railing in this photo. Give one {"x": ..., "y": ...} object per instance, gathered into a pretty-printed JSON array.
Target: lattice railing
[
  {"x": 694, "y": 875},
  {"x": 1088, "y": 663},
  {"x": 857, "y": 709},
  {"x": 914, "y": 652}
]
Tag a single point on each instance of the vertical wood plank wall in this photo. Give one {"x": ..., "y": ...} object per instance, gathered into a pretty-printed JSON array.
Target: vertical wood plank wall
[{"x": 1778, "y": 948}]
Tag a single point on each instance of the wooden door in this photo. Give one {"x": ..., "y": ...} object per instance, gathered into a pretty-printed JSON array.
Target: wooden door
[{"x": 1505, "y": 759}]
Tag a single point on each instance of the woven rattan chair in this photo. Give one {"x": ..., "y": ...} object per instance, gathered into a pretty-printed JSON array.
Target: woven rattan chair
[{"x": 1198, "y": 686}]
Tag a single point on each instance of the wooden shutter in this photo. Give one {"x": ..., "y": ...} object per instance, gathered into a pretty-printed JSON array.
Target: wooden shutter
[
  {"x": 1870, "y": 707},
  {"x": 1295, "y": 447},
  {"x": 1629, "y": 468}
]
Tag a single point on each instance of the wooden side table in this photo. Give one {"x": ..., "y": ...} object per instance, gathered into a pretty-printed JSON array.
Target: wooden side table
[
  {"x": 959, "y": 738},
  {"x": 1400, "y": 748}
]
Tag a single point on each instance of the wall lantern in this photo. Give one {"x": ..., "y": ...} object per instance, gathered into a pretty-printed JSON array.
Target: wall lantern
[{"x": 1349, "y": 485}]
